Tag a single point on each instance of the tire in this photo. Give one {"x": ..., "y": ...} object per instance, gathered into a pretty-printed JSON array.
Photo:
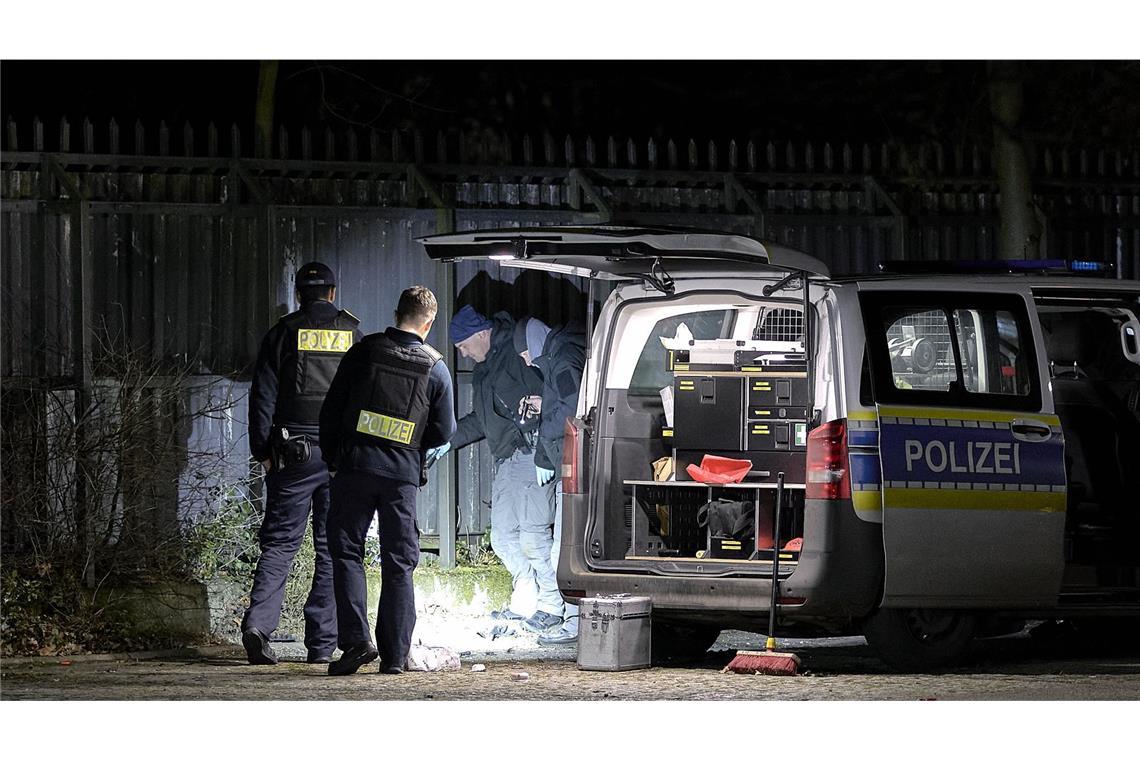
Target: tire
[
  {"x": 674, "y": 641},
  {"x": 920, "y": 640}
]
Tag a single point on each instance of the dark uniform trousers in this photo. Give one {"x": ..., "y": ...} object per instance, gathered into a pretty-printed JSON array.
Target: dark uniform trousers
[
  {"x": 356, "y": 497},
  {"x": 289, "y": 493}
]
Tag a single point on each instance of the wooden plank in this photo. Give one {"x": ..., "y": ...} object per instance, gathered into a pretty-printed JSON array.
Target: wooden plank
[{"x": 159, "y": 275}]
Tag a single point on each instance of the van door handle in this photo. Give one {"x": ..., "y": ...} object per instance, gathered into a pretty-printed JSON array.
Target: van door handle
[{"x": 1030, "y": 431}]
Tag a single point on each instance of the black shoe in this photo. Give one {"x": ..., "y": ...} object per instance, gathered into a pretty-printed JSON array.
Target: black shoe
[
  {"x": 506, "y": 614},
  {"x": 318, "y": 657},
  {"x": 353, "y": 659},
  {"x": 390, "y": 670},
  {"x": 257, "y": 649}
]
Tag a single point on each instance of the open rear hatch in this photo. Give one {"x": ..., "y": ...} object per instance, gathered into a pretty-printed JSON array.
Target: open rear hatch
[
  {"x": 740, "y": 386},
  {"x": 621, "y": 253}
]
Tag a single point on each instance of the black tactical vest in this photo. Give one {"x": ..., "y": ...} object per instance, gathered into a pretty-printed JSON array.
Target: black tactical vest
[
  {"x": 311, "y": 354},
  {"x": 387, "y": 400}
]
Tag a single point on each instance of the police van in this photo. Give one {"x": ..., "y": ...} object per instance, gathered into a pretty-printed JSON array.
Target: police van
[{"x": 951, "y": 454}]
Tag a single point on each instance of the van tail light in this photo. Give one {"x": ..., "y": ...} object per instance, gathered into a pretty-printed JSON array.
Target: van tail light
[
  {"x": 828, "y": 472},
  {"x": 572, "y": 456}
]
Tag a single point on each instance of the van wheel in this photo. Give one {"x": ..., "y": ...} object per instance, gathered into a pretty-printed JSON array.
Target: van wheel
[
  {"x": 673, "y": 642},
  {"x": 919, "y": 640}
]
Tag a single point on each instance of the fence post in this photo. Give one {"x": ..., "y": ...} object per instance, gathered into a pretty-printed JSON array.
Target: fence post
[
  {"x": 448, "y": 496},
  {"x": 82, "y": 281}
]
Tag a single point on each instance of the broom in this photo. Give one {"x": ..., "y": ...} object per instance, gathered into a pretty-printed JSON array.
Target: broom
[{"x": 769, "y": 662}]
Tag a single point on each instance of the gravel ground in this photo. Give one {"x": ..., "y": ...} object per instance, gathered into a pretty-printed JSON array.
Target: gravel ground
[{"x": 1017, "y": 668}]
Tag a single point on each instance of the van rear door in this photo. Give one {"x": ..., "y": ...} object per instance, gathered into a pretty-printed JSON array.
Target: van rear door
[
  {"x": 972, "y": 458},
  {"x": 612, "y": 252}
]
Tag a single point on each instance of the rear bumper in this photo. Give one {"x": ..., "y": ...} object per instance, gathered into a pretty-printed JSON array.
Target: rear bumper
[{"x": 839, "y": 573}]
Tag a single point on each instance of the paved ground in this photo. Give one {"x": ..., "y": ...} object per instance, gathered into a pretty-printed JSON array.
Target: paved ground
[{"x": 833, "y": 669}]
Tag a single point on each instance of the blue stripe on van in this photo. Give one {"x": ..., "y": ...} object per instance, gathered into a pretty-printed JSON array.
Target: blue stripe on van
[
  {"x": 863, "y": 438},
  {"x": 865, "y": 470}
]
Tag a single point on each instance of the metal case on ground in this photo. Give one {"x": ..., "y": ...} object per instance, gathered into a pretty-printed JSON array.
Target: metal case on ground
[{"x": 614, "y": 632}]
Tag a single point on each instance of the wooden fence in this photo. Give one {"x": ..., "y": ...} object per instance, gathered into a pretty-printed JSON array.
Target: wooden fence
[{"x": 182, "y": 241}]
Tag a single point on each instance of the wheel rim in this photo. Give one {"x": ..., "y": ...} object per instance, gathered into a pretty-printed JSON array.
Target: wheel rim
[{"x": 931, "y": 626}]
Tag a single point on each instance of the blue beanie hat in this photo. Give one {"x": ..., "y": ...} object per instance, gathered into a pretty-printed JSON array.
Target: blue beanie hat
[{"x": 466, "y": 323}]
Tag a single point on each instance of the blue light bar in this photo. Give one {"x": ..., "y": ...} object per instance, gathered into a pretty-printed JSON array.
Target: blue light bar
[{"x": 991, "y": 266}]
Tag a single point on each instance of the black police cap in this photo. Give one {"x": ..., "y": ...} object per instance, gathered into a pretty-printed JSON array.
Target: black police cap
[{"x": 315, "y": 273}]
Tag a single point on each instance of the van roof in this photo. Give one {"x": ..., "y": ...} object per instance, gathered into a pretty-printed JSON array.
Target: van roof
[{"x": 1057, "y": 282}]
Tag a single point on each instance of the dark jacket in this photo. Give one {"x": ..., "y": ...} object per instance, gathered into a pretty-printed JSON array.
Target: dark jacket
[
  {"x": 561, "y": 362},
  {"x": 263, "y": 413},
  {"x": 498, "y": 384},
  {"x": 345, "y": 452}
]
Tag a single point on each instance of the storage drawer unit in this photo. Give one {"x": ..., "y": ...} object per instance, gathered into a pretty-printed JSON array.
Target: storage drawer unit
[
  {"x": 707, "y": 412},
  {"x": 777, "y": 391}
]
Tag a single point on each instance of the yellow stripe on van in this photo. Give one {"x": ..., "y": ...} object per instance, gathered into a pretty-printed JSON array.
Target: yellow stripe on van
[
  {"x": 938, "y": 413},
  {"x": 867, "y": 501},
  {"x": 866, "y": 416},
  {"x": 332, "y": 341},
  {"x": 1000, "y": 501}
]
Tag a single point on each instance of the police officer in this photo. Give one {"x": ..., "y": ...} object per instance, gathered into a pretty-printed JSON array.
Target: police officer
[
  {"x": 390, "y": 402},
  {"x": 298, "y": 358},
  {"x": 560, "y": 356},
  {"x": 499, "y": 383}
]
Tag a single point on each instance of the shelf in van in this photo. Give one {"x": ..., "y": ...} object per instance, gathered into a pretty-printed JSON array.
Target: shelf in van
[{"x": 697, "y": 484}]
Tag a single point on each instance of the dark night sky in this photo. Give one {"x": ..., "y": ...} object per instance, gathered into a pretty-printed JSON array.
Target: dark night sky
[{"x": 861, "y": 100}]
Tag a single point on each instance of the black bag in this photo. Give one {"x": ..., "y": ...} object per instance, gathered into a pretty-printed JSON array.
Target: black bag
[
  {"x": 731, "y": 527},
  {"x": 728, "y": 519}
]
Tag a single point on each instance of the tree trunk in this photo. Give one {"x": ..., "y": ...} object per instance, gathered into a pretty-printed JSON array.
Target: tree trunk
[
  {"x": 263, "y": 117},
  {"x": 1020, "y": 231}
]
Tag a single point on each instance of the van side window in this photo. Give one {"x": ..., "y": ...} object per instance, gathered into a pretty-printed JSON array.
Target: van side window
[
  {"x": 951, "y": 349},
  {"x": 992, "y": 359},
  {"x": 919, "y": 346}
]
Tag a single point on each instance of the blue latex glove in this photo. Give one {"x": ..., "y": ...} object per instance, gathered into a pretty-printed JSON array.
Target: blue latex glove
[
  {"x": 434, "y": 454},
  {"x": 543, "y": 475}
]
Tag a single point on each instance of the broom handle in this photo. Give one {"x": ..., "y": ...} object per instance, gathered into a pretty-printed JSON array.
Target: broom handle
[{"x": 771, "y": 643}]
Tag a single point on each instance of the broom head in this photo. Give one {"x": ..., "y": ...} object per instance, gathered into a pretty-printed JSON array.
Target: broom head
[{"x": 764, "y": 663}]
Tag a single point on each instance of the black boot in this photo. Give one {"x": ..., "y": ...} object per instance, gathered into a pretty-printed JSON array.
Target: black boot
[
  {"x": 257, "y": 648},
  {"x": 353, "y": 659}
]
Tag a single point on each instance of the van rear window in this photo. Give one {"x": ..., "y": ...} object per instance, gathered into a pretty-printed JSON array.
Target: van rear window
[{"x": 652, "y": 372}]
